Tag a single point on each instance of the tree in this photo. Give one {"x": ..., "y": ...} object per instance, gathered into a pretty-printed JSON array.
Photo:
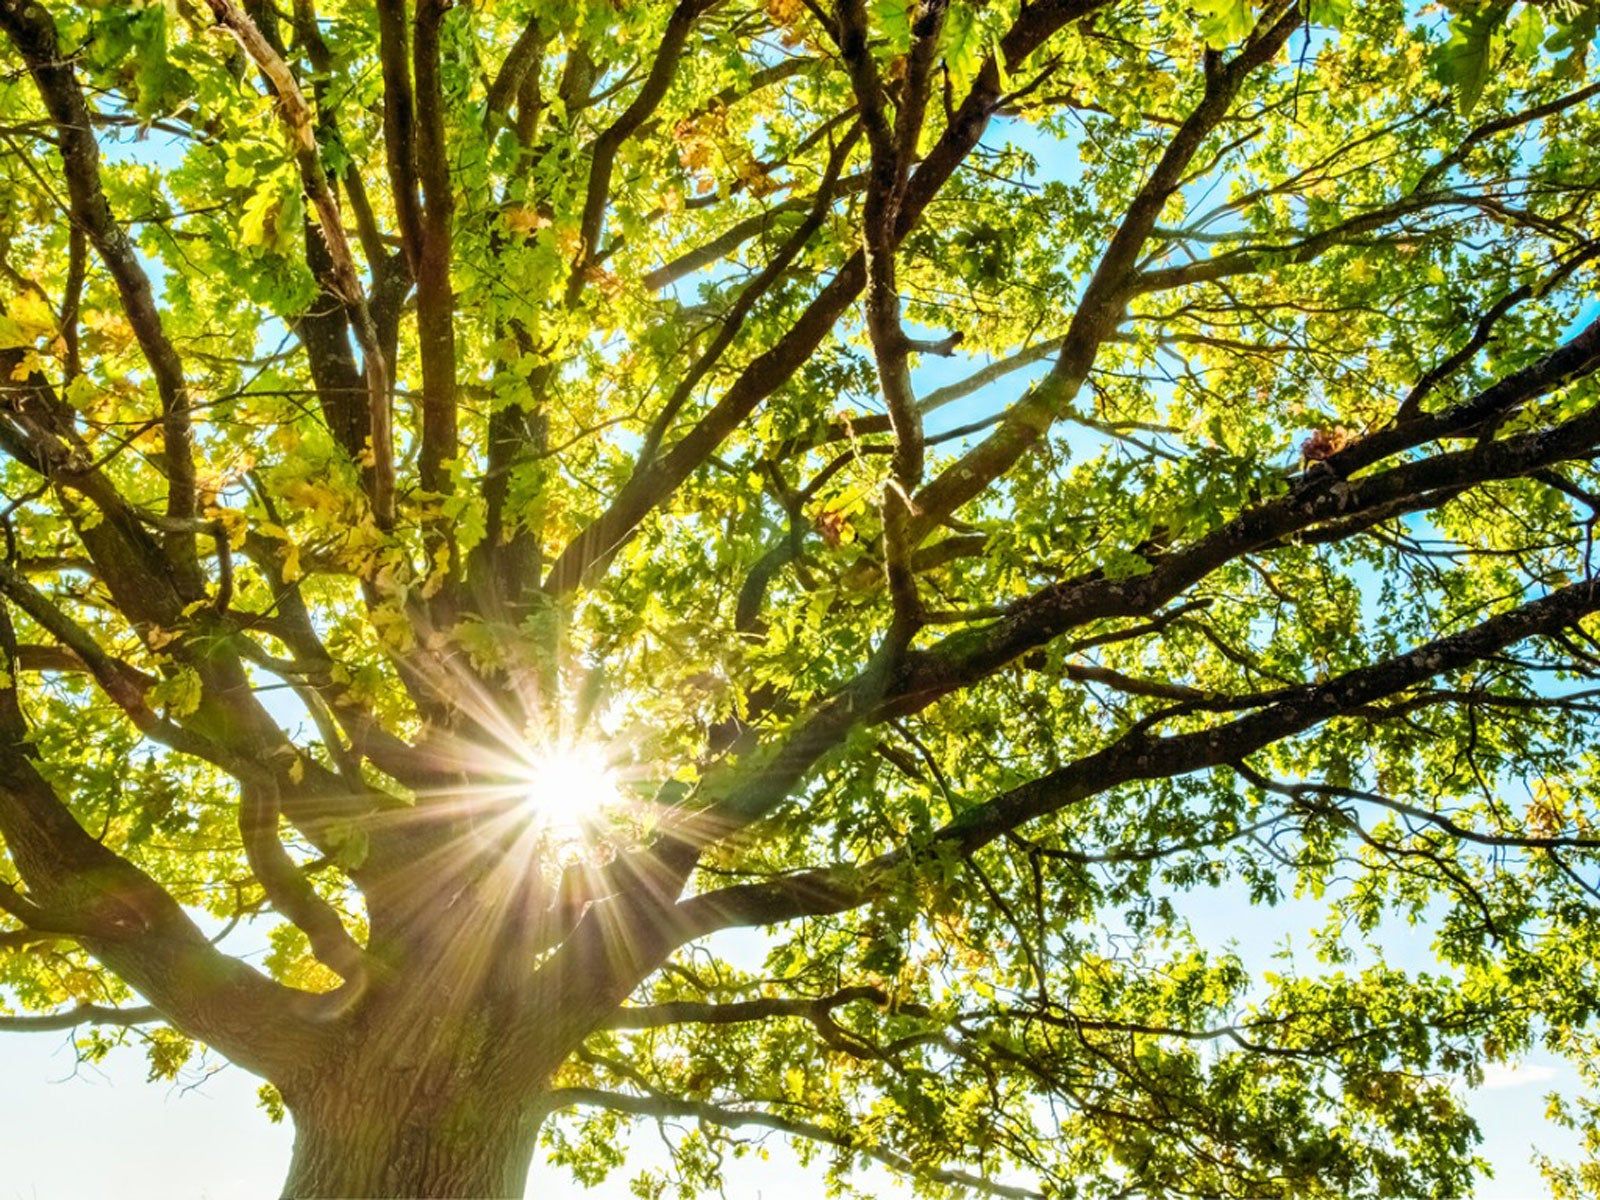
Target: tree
[{"x": 482, "y": 504}]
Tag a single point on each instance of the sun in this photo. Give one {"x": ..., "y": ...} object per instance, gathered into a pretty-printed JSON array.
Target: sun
[{"x": 568, "y": 783}]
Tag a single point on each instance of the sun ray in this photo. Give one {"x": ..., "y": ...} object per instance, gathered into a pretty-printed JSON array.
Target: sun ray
[{"x": 566, "y": 784}]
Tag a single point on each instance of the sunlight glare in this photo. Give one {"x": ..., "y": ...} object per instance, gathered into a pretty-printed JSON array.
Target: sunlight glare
[{"x": 567, "y": 784}]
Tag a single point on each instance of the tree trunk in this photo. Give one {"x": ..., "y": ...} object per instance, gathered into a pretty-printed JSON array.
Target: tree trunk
[{"x": 410, "y": 1137}]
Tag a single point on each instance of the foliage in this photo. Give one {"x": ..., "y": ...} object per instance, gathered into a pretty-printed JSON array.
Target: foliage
[{"x": 996, "y": 484}]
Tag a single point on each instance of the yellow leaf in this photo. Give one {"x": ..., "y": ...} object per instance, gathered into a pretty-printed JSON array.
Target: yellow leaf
[
  {"x": 525, "y": 220},
  {"x": 235, "y": 523},
  {"x": 30, "y": 363}
]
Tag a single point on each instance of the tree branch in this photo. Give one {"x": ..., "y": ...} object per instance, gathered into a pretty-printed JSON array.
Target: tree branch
[
  {"x": 664, "y": 1108},
  {"x": 1136, "y": 756},
  {"x": 602, "y": 156},
  {"x": 692, "y": 1012},
  {"x": 32, "y": 31},
  {"x": 1106, "y": 295},
  {"x": 83, "y": 1014},
  {"x": 654, "y": 482},
  {"x": 344, "y": 282}
]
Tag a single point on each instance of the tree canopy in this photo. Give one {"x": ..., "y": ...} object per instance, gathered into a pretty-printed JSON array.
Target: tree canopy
[{"x": 500, "y": 498}]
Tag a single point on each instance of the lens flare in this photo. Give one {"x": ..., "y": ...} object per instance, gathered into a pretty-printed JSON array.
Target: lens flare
[{"x": 566, "y": 784}]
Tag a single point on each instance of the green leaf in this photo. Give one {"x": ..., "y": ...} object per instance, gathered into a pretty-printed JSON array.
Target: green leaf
[
  {"x": 155, "y": 78},
  {"x": 1574, "y": 36},
  {"x": 1223, "y": 22},
  {"x": 180, "y": 693},
  {"x": 168, "y": 1051},
  {"x": 1527, "y": 33},
  {"x": 965, "y": 46},
  {"x": 81, "y": 392},
  {"x": 1462, "y": 63},
  {"x": 1332, "y": 13},
  {"x": 271, "y": 218},
  {"x": 893, "y": 17},
  {"x": 12, "y": 335},
  {"x": 271, "y": 1101},
  {"x": 351, "y": 846}
]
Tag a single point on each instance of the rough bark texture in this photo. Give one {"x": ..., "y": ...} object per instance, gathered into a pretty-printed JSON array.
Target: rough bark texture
[
  {"x": 478, "y": 944},
  {"x": 411, "y": 1129}
]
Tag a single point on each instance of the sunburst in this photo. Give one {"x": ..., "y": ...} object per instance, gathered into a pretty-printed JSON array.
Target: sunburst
[{"x": 567, "y": 785}]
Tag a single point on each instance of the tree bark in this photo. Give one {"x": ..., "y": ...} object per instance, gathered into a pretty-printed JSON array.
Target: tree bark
[{"x": 409, "y": 1133}]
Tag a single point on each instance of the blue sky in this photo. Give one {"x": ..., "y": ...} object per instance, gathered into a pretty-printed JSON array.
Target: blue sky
[
  {"x": 86, "y": 1131},
  {"x": 77, "y": 1131},
  {"x": 73, "y": 1130}
]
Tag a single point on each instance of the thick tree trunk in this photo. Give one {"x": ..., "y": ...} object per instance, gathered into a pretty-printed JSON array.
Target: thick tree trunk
[
  {"x": 411, "y": 1137},
  {"x": 439, "y": 1090}
]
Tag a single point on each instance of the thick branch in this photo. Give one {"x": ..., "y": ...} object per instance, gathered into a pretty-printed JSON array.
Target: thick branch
[
  {"x": 32, "y": 30},
  {"x": 435, "y": 301},
  {"x": 1106, "y": 295},
  {"x": 1136, "y": 756},
  {"x": 693, "y": 1012},
  {"x": 604, "y": 154},
  {"x": 654, "y": 482},
  {"x": 345, "y": 282},
  {"x": 140, "y": 932},
  {"x": 288, "y": 888}
]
